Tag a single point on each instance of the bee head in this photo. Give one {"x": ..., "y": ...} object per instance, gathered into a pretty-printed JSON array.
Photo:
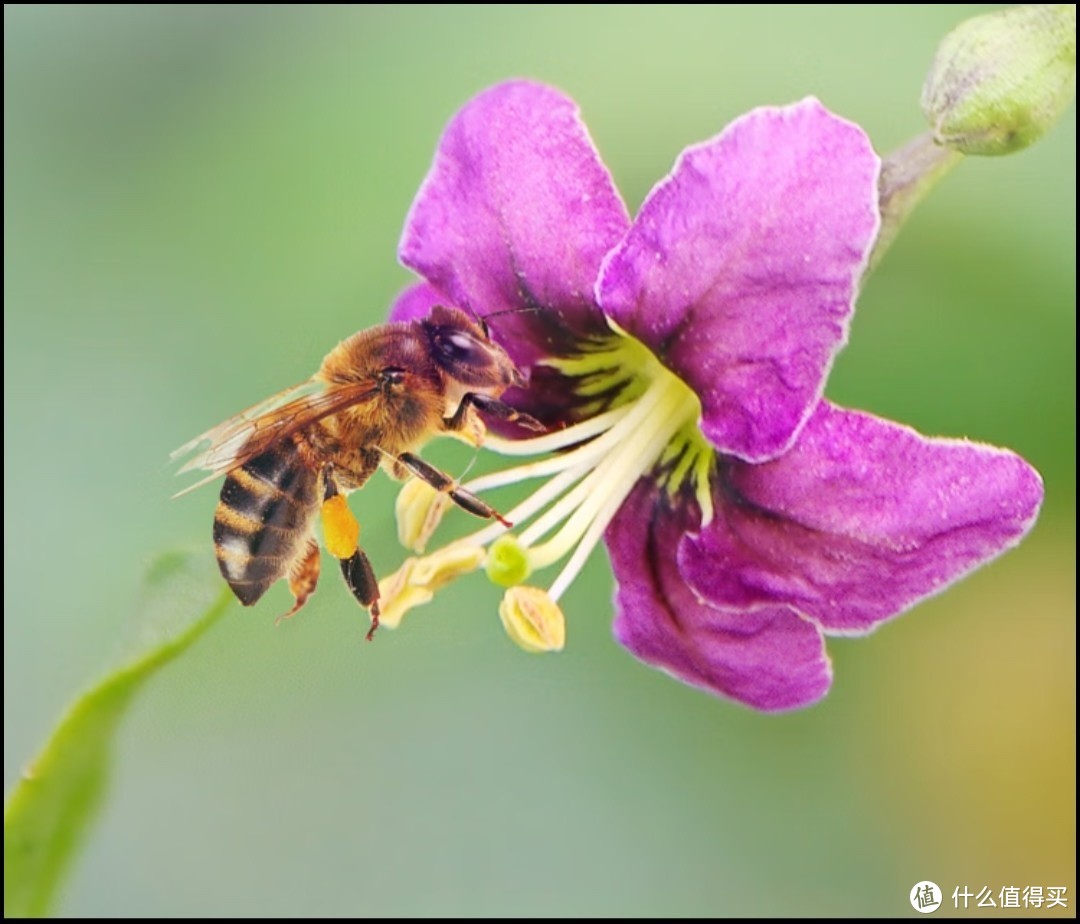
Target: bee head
[{"x": 465, "y": 351}]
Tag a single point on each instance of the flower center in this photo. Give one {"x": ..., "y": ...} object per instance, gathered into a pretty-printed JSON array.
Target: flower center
[{"x": 644, "y": 421}]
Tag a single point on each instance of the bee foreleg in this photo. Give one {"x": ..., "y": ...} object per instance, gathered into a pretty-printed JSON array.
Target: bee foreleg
[
  {"x": 443, "y": 483},
  {"x": 341, "y": 532},
  {"x": 493, "y": 407}
]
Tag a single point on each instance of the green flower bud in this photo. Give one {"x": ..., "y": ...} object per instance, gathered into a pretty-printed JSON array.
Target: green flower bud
[{"x": 1000, "y": 81}]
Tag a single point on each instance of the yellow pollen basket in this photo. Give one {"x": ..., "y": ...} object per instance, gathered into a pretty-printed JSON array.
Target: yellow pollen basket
[{"x": 341, "y": 531}]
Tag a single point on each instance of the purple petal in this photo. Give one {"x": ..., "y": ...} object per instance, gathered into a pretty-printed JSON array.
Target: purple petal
[
  {"x": 766, "y": 658},
  {"x": 517, "y": 210},
  {"x": 416, "y": 301},
  {"x": 859, "y": 521},
  {"x": 741, "y": 269}
]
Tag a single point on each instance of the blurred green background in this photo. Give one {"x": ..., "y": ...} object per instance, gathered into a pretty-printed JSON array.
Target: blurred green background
[{"x": 200, "y": 202}]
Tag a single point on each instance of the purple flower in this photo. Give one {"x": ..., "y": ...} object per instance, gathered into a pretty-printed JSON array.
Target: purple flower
[{"x": 680, "y": 360}]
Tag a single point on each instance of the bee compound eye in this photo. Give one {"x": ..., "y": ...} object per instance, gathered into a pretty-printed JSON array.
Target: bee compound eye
[{"x": 458, "y": 346}]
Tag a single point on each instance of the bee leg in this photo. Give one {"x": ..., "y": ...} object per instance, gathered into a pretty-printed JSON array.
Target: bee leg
[
  {"x": 302, "y": 578},
  {"x": 493, "y": 407},
  {"x": 361, "y": 580},
  {"x": 443, "y": 483},
  {"x": 342, "y": 532}
]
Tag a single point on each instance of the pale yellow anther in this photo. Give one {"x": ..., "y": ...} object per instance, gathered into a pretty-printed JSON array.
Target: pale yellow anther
[
  {"x": 433, "y": 571},
  {"x": 398, "y": 594},
  {"x": 532, "y": 619},
  {"x": 341, "y": 530},
  {"x": 419, "y": 509},
  {"x": 416, "y": 581}
]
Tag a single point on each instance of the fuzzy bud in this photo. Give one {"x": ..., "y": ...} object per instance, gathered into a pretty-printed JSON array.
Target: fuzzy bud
[{"x": 1000, "y": 81}]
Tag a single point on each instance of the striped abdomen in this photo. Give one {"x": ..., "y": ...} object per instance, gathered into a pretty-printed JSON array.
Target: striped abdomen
[{"x": 263, "y": 520}]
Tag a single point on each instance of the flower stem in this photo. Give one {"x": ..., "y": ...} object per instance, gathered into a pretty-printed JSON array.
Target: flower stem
[{"x": 907, "y": 175}]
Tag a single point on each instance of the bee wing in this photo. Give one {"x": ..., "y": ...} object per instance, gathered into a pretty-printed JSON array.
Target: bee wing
[
  {"x": 219, "y": 435},
  {"x": 251, "y": 432}
]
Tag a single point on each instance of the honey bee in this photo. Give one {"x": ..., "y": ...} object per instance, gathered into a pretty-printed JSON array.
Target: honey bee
[{"x": 377, "y": 398}]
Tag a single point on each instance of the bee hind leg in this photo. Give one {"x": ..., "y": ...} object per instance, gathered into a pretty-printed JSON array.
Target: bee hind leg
[
  {"x": 360, "y": 579},
  {"x": 443, "y": 483},
  {"x": 303, "y": 578},
  {"x": 342, "y": 532}
]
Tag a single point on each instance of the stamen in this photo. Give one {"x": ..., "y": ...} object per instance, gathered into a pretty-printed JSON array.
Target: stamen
[
  {"x": 419, "y": 509},
  {"x": 533, "y": 504},
  {"x": 617, "y": 475},
  {"x": 591, "y": 467},
  {"x": 604, "y": 447},
  {"x": 550, "y": 442},
  {"x": 588, "y": 542},
  {"x": 604, "y": 515},
  {"x": 532, "y": 620},
  {"x": 535, "y": 469}
]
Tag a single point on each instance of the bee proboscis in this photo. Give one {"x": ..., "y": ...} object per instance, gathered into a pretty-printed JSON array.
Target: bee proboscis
[{"x": 376, "y": 399}]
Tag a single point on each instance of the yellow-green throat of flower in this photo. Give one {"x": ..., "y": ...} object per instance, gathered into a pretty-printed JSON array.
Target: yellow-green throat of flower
[{"x": 640, "y": 419}]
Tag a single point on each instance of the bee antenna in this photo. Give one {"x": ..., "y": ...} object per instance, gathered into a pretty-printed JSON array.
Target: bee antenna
[
  {"x": 521, "y": 310},
  {"x": 495, "y": 314}
]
